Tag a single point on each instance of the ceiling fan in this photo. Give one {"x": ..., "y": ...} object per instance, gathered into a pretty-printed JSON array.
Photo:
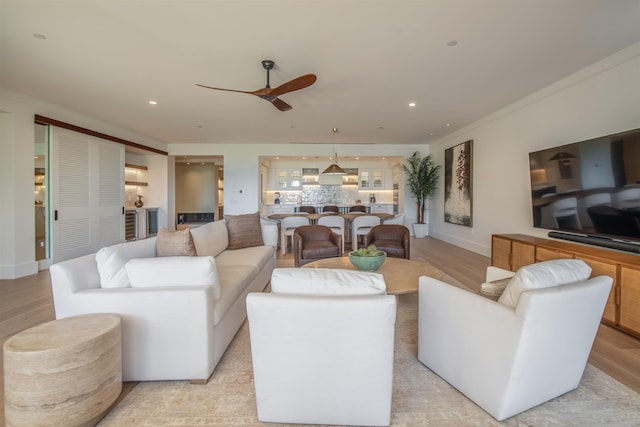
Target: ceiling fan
[{"x": 270, "y": 94}]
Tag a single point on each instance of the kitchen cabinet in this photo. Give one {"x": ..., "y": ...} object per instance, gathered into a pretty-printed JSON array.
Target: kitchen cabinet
[
  {"x": 381, "y": 208},
  {"x": 280, "y": 209},
  {"x": 287, "y": 179},
  {"x": 351, "y": 178},
  {"x": 622, "y": 311},
  {"x": 310, "y": 176},
  {"x": 375, "y": 179}
]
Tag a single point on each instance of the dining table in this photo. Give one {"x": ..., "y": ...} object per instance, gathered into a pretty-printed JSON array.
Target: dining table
[{"x": 314, "y": 217}]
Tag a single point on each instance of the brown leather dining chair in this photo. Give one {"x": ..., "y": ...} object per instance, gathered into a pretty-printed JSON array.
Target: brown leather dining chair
[
  {"x": 307, "y": 209},
  {"x": 390, "y": 238},
  {"x": 330, "y": 208},
  {"x": 314, "y": 242},
  {"x": 357, "y": 208}
]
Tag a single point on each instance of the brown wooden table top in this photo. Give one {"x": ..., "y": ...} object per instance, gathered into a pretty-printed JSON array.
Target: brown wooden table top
[
  {"x": 313, "y": 217},
  {"x": 401, "y": 275}
]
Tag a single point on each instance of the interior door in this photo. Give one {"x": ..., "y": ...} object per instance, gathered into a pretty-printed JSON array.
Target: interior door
[{"x": 87, "y": 194}]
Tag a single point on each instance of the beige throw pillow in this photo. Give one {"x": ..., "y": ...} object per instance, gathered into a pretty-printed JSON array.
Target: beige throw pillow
[
  {"x": 244, "y": 230},
  {"x": 174, "y": 243}
]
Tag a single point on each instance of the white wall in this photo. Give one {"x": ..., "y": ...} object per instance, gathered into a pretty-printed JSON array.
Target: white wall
[
  {"x": 17, "y": 148},
  {"x": 242, "y": 171},
  {"x": 601, "y": 99}
]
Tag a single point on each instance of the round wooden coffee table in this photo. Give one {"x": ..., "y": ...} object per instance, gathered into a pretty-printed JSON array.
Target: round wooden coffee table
[
  {"x": 63, "y": 372},
  {"x": 401, "y": 275}
]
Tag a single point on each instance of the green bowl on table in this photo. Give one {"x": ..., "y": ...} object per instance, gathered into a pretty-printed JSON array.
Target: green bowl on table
[{"x": 369, "y": 259}]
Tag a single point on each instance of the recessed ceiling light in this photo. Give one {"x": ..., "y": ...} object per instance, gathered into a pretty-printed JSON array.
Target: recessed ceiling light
[
  {"x": 152, "y": 102},
  {"x": 431, "y": 134},
  {"x": 452, "y": 43},
  {"x": 448, "y": 124},
  {"x": 39, "y": 36},
  {"x": 412, "y": 104}
]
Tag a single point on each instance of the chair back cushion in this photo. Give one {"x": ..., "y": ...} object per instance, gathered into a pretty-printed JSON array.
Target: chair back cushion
[
  {"x": 327, "y": 282},
  {"x": 174, "y": 271},
  {"x": 544, "y": 275},
  {"x": 111, "y": 261}
]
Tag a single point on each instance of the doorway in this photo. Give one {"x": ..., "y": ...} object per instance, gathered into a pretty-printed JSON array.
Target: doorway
[{"x": 40, "y": 194}]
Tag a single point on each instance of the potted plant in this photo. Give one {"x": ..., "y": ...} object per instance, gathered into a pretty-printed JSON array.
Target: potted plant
[
  {"x": 367, "y": 259},
  {"x": 422, "y": 180}
]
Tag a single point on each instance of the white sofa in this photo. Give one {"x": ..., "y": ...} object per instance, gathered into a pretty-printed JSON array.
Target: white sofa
[
  {"x": 322, "y": 347},
  {"x": 172, "y": 331},
  {"x": 522, "y": 350}
]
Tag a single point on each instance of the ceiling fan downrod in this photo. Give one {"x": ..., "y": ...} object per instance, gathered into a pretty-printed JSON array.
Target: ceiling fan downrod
[{"x": 268, "y": 65}]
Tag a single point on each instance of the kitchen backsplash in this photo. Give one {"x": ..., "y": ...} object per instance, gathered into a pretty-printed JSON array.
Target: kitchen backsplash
[{"x": 326, "y": 194}]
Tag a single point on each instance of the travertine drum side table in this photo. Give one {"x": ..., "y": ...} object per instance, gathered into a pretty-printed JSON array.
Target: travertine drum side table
[{"x": 66, "y": 372}]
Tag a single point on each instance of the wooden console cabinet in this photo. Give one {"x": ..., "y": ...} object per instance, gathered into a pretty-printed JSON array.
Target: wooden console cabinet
[{"x": 512, "y": 251}]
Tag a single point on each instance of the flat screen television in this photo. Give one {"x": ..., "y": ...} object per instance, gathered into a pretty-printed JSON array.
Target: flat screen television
[{"x": 589, "y": 191}]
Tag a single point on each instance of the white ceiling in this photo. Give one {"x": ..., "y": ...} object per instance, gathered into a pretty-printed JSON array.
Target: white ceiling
[{"x": 107, "y": 59}]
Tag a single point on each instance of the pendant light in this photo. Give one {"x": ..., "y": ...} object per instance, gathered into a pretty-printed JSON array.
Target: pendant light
[{"x": 333, "y": 168}]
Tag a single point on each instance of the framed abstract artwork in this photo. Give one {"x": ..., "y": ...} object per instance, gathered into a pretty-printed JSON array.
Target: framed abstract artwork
[{"x": 458, "y": 184}]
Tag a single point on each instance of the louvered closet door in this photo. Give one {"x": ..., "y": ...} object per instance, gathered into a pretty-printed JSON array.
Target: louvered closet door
[
  {"x": 110, "y": 195},
  {"x": 87, "y": 194}
]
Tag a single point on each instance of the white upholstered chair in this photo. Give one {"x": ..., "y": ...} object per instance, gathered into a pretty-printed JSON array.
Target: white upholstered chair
[
  {"x": 360, "y": 226},
  {"x": 398, "y": 220},
  {"x": 287, "y": 227},
  {"x": 322, "y": 347},
  {"x": 335, "y": 223},
  {"x": 509, "y": 358}
]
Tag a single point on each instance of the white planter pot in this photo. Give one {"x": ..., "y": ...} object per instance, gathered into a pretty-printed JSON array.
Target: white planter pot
[{"x": 420, "y": 230}]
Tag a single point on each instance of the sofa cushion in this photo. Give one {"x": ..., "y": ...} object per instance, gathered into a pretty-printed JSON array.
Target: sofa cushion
[
  {"x": 543, "y": 275},
  {"x": 256, "y": 256},
  {"x": 324, "y": 281},
  {"x": 244, "y": 230},
  {"x": 211, "y": 238},
  {"x": 111, "y": 261},
  {"x": 174, "y": 243},
  {"x": 173, "y": 271},
  {"x": 234, "y": 280}
]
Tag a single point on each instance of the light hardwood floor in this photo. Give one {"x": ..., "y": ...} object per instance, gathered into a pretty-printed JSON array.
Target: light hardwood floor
[{"x": 27, "y": 302}]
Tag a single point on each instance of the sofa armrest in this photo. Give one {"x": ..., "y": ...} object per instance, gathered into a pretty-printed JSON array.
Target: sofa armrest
[
  {"x": 495, "y": 273},
  {"x": 157, "y": 325},
  {"x": 466, "y": 338},
  {"x": 269, "y": 232},
  {"x": 336, "y": 239}
]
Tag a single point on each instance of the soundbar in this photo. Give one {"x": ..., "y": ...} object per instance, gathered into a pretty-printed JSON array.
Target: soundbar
[{"x": 620, "y": 245}]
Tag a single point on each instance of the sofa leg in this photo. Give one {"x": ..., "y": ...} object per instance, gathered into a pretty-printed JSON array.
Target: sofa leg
[{"x": 200, "y": 381}]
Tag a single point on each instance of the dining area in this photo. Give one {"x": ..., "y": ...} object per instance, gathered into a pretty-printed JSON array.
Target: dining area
[{"x": 351, "y": 225}]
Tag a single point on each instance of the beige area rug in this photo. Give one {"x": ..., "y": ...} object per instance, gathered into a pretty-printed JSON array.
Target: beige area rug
[{"x": 420, "y": 398}]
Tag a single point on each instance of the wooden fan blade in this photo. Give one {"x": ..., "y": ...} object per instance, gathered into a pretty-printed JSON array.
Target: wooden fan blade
[
  {"x": 280, "y": 104},
  {"x": 228, "y": 90},
  {"x": 295, "y": 84}
]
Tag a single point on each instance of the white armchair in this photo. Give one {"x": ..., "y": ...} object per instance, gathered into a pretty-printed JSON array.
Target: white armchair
[
  {"x": 508, "y": 359},
  {"x": 322, "y": 347}
]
